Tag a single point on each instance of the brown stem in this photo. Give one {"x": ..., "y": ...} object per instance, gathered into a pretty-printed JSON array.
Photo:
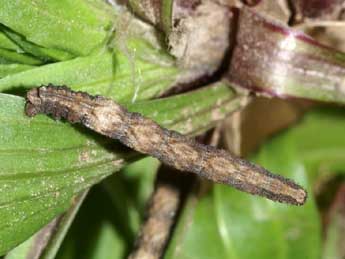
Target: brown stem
[{"x": 161, "y": 214}]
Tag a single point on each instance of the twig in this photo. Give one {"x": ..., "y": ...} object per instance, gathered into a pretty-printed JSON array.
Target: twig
[
  {"x": 160, "y": 215},
  {"x": 144, "y": 135}
]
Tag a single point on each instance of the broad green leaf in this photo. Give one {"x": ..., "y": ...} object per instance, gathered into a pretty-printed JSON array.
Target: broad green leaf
[
  {"x": 45, "y": 54},
  {"x": 9, "y": 69},
  {"x": 225, "y": 223},
  {"x": 46, "y": 241},
  {"x": 58, "y": 160},
  {"x": 165, "y": 112},
  {"x": 111, "y": 74},
  {"x": 21, "y": 251},
  {"x": 6, "y": 43},
  {"x": 74, "y": 26},
  {"x": 130, "y": 190},
  {"x": 124, "y": 194},
  {"x": 9, "y": 57},
  {"x": 123, "y": 197},
  {"x": 96, "y": 223}
]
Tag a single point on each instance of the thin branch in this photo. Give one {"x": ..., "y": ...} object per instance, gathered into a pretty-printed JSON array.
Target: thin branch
[{"x": 160, "y": 214}]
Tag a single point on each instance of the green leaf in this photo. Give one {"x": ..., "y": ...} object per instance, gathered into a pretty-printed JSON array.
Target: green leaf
[
  {"x": 111, "y": 74},
  {"x": 9, "y": 69},
  {"x": 74, "y": 26},
  {"x": 6, "y": 43},
  {"x": 119, "y": 203},
  {"x": 45, "y": 54},
  {"x": 9, "y": 57},
  {"x": 225, "y": 223},
  {"x": 129, "y": 192},
  {"x": 57, "y": 161},
  {"x": 44, "y": 243},
  {"x": 175, "y": 114},
  {"x": 96, "y": 222},
  {"x": 21, "y": 251}
]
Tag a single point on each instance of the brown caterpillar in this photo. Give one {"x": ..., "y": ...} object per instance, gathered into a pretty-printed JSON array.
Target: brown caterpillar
[{"x": 144, "y": 135}]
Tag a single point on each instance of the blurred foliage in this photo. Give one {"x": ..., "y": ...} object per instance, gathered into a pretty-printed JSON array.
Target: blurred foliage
[{"x": 307, "y": 152}]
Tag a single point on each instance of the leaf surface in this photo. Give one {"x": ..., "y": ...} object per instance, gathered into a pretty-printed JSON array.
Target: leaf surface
[
  {"x": 67, "y": 25},
  {"x": 105, "y": 73}
]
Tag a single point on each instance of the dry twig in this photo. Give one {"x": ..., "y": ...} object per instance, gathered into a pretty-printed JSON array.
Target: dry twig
[{"x": 161, "y": 213}]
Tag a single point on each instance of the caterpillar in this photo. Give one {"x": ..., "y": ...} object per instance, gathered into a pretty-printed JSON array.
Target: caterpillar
[{"x": 142, "y": 134}]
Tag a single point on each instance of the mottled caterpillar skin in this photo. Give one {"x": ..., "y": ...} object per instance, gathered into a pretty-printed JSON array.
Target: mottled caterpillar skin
[{"x": 144, "y": 135}]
